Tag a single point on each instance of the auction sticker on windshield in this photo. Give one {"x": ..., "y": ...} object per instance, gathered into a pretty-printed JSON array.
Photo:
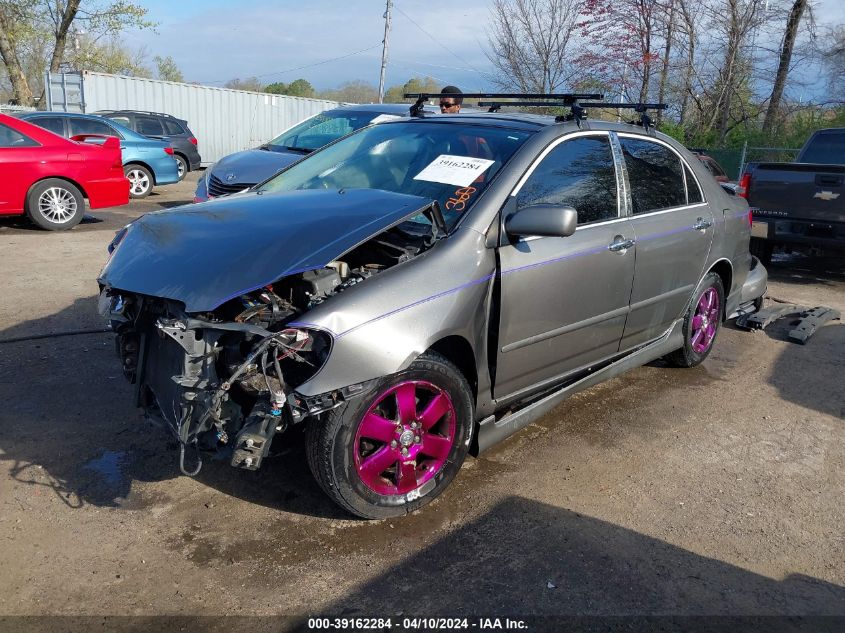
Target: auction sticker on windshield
[{"x": 454, "y": 170}]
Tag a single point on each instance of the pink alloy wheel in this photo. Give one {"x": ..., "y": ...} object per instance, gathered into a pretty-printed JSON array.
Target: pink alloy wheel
[
  {"x": 397, "y": 448},
  {"x": 705, "y": 321}
]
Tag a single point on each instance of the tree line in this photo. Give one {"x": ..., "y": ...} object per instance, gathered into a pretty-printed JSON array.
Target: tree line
[{"x": 731, "y": 70}]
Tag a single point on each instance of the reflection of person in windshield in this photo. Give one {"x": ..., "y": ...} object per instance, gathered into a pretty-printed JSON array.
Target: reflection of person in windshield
[{"x": 450, "y": 104}]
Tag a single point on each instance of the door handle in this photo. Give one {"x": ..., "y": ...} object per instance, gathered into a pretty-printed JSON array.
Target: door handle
[
  {"x": 702, "y": 225},
  {"x": 621, "y": 244}
]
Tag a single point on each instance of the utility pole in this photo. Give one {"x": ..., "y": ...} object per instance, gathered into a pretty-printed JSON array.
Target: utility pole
[{"x": 384, "y": 51}]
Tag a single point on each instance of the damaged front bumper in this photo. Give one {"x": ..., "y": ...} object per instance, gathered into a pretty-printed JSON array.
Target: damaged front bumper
[{"x": 220, "y": 387}]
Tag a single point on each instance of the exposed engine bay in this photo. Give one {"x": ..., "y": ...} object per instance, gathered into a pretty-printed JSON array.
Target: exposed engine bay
[{"x": 224, "y": 381}]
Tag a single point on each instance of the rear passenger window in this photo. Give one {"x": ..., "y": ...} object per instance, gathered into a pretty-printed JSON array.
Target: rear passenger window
[
  {"x": 655, "y": 175},
  {"x": 148, "y": 126},
  {"x": 578, "y": 173},
  {"x": 90, "y": 126},
  {"x": 693, "y": 190},
  {"x": 53, "y": 123}
]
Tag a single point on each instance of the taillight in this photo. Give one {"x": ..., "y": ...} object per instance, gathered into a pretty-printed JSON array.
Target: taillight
[
  {"x": 193, "y": 140},
  {"x": 744, "y": 184},
  {"x": 168, "y": 150}
]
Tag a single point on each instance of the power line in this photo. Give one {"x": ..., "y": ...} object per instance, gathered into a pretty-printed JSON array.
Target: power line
[
  {"x": 439, "y": 43},
  {"x": 290, "y": 70}
]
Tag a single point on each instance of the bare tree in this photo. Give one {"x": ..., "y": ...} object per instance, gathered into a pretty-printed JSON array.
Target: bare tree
[
  {"x": 689, "y": 30},
  {"x": 667, "y": 51},
  {"x": 530, "y": 43},
  {"x": 789, "y": 36}
]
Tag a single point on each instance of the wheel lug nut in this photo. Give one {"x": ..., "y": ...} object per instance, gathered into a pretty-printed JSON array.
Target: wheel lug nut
[
  {"x": 404, "y": 451},
  {"x": 394, "y": 444},
  {"x": 417, "y": 439},
  {"x": 413, "y": 425}
]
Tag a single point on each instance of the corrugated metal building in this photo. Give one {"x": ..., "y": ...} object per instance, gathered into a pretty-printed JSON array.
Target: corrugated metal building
[{"x": 223, "y": 120}]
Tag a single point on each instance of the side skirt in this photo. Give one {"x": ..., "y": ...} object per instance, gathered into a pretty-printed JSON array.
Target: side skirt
[{"x": 492, "y": 431}]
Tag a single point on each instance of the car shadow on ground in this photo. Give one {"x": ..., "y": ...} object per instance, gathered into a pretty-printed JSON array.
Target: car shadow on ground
[
  {"x": 524, "y": 557},
  {"x": 812, "y": 374},
  {"x": 69, "y": 426}
]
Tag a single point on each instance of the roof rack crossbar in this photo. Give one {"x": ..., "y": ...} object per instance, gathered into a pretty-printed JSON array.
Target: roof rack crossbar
[
  {"x": 560, "y": 96},
  {"x": 566, "y": 98}
]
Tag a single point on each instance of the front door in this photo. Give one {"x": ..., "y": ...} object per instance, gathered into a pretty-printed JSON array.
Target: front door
[
  {"x": 673, "y": 227},
  {"x": 564, "y": 300}
]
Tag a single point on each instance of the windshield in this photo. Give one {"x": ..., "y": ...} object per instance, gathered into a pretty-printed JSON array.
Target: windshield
[
  {"x": 826, "y": 148},
  {"x": 450, "y": 163},
  {"x": 324, "y": 128}
]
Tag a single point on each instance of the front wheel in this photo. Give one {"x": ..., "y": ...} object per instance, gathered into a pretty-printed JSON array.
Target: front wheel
[
  {"x": 701, "y": 323},
  {"x": 397, "y": 448},
  {"x": 140, "y": 181}
]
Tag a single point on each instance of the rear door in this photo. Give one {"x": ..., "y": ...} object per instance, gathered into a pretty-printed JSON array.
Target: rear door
[
  {"x": 564, "y": 299},
  {"x": 674, "y": 230}
]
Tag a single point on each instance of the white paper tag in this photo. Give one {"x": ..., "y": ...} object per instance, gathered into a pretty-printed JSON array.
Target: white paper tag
[
  {"x": 460, "y": 171},
  {"x": 381, "y": 118}
]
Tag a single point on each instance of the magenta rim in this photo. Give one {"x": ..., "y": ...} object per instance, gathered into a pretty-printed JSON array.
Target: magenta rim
[
  {"x": 405, "y": 437},
  {"x": 705, "y": 321}
]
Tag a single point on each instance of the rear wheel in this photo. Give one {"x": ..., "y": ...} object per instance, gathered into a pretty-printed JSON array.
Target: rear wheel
[
  {"x": 701, "y": 323},
  {"x": 397, "y": 448},
  {"x": 181, "y": 166},
  {"x": 140, "y": 180},
  {"x": 55, "y": 205}
]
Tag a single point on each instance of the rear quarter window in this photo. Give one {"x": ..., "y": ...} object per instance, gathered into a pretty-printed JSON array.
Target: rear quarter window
[{"x": 173, "y": 128}]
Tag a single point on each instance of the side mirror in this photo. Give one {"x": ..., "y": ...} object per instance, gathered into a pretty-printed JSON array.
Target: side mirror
[{"x": 545, "y": 220}]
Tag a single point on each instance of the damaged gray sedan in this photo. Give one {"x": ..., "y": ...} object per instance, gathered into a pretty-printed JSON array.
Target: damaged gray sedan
[{"x": 423, "y": 289}]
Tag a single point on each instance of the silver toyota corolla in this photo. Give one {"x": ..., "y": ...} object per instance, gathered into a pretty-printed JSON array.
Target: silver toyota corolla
[{"x": 422, "y": 289}]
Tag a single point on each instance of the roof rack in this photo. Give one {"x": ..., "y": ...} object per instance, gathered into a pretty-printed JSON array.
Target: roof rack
[
  {"x": 641, "y": 108},
  {"x": 565, "y": 98}
]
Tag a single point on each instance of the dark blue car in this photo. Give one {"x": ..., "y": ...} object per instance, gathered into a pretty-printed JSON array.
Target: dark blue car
[
  {"x": 147, "y": 162},
  {"x": 242, "y": 170}
]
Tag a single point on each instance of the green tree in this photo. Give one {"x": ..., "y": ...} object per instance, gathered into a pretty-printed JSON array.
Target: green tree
[
  {"x": 357, "y": 91},
  {"x": 394, "y": 94},
  {"x": 34, "y": 34},
  {"x": 109, "y": 57},
  {"x": 300, "y": 88},
  {"x": 276, "y": 88},
  {"x": 167, "y": 69}
]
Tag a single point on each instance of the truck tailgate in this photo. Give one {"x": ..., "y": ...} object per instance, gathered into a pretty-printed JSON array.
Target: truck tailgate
[{"x": 799, "y": 191}]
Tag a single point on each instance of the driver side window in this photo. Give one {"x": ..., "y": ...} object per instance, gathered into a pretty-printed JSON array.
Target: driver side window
[{"x": 578, "y": 173}]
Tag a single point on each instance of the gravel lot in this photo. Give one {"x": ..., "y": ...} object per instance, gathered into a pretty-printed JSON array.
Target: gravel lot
[{"x": 716, "y": 490}]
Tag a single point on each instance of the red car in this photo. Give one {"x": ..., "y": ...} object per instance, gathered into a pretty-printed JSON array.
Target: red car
[{"x": 48, "y": 177}]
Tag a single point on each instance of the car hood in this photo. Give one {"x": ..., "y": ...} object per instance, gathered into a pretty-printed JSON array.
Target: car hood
[
  {"x": 252, "y": 166},
  {"x": 205, "y": 254}
]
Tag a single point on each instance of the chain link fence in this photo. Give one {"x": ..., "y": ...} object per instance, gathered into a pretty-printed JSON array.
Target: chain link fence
[{"x": 733, "y": 161}]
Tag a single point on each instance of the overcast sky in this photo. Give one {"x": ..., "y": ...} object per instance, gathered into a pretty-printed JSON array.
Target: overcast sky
[{"x": 213, "y": 41}]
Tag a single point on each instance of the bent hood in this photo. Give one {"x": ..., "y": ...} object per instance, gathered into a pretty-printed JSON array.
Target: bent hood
[
  {"x": 252, "y": 166},
  {"x": 205, "y": 254}
]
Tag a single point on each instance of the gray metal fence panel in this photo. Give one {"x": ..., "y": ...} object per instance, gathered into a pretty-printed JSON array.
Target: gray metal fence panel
[{"x": 223, "y": 120}]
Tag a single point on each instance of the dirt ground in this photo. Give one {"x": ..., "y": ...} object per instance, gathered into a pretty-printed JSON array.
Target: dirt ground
[{"x": 715, "y": 490}]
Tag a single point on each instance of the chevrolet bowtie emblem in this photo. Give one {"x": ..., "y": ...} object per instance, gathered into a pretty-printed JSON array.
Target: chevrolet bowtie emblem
[{"x": 826, "y": 195}]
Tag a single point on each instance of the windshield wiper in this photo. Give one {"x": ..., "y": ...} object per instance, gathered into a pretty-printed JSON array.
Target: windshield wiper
[{"x": 301, "y": 150}]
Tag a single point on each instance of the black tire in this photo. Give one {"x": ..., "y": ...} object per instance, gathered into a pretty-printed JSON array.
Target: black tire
[
  {"x": 331, "y": 443},
  {"x": 141, "y": 181},
  {"x": 55, "y": 205},
  {"x": 688, "y": 355},
  {"x": 182, "y": 166},
  {"x": 762, "y": 250}
]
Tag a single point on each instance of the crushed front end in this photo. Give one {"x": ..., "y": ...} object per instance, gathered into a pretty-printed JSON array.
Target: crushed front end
[{"x": 220, "y": 386}]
